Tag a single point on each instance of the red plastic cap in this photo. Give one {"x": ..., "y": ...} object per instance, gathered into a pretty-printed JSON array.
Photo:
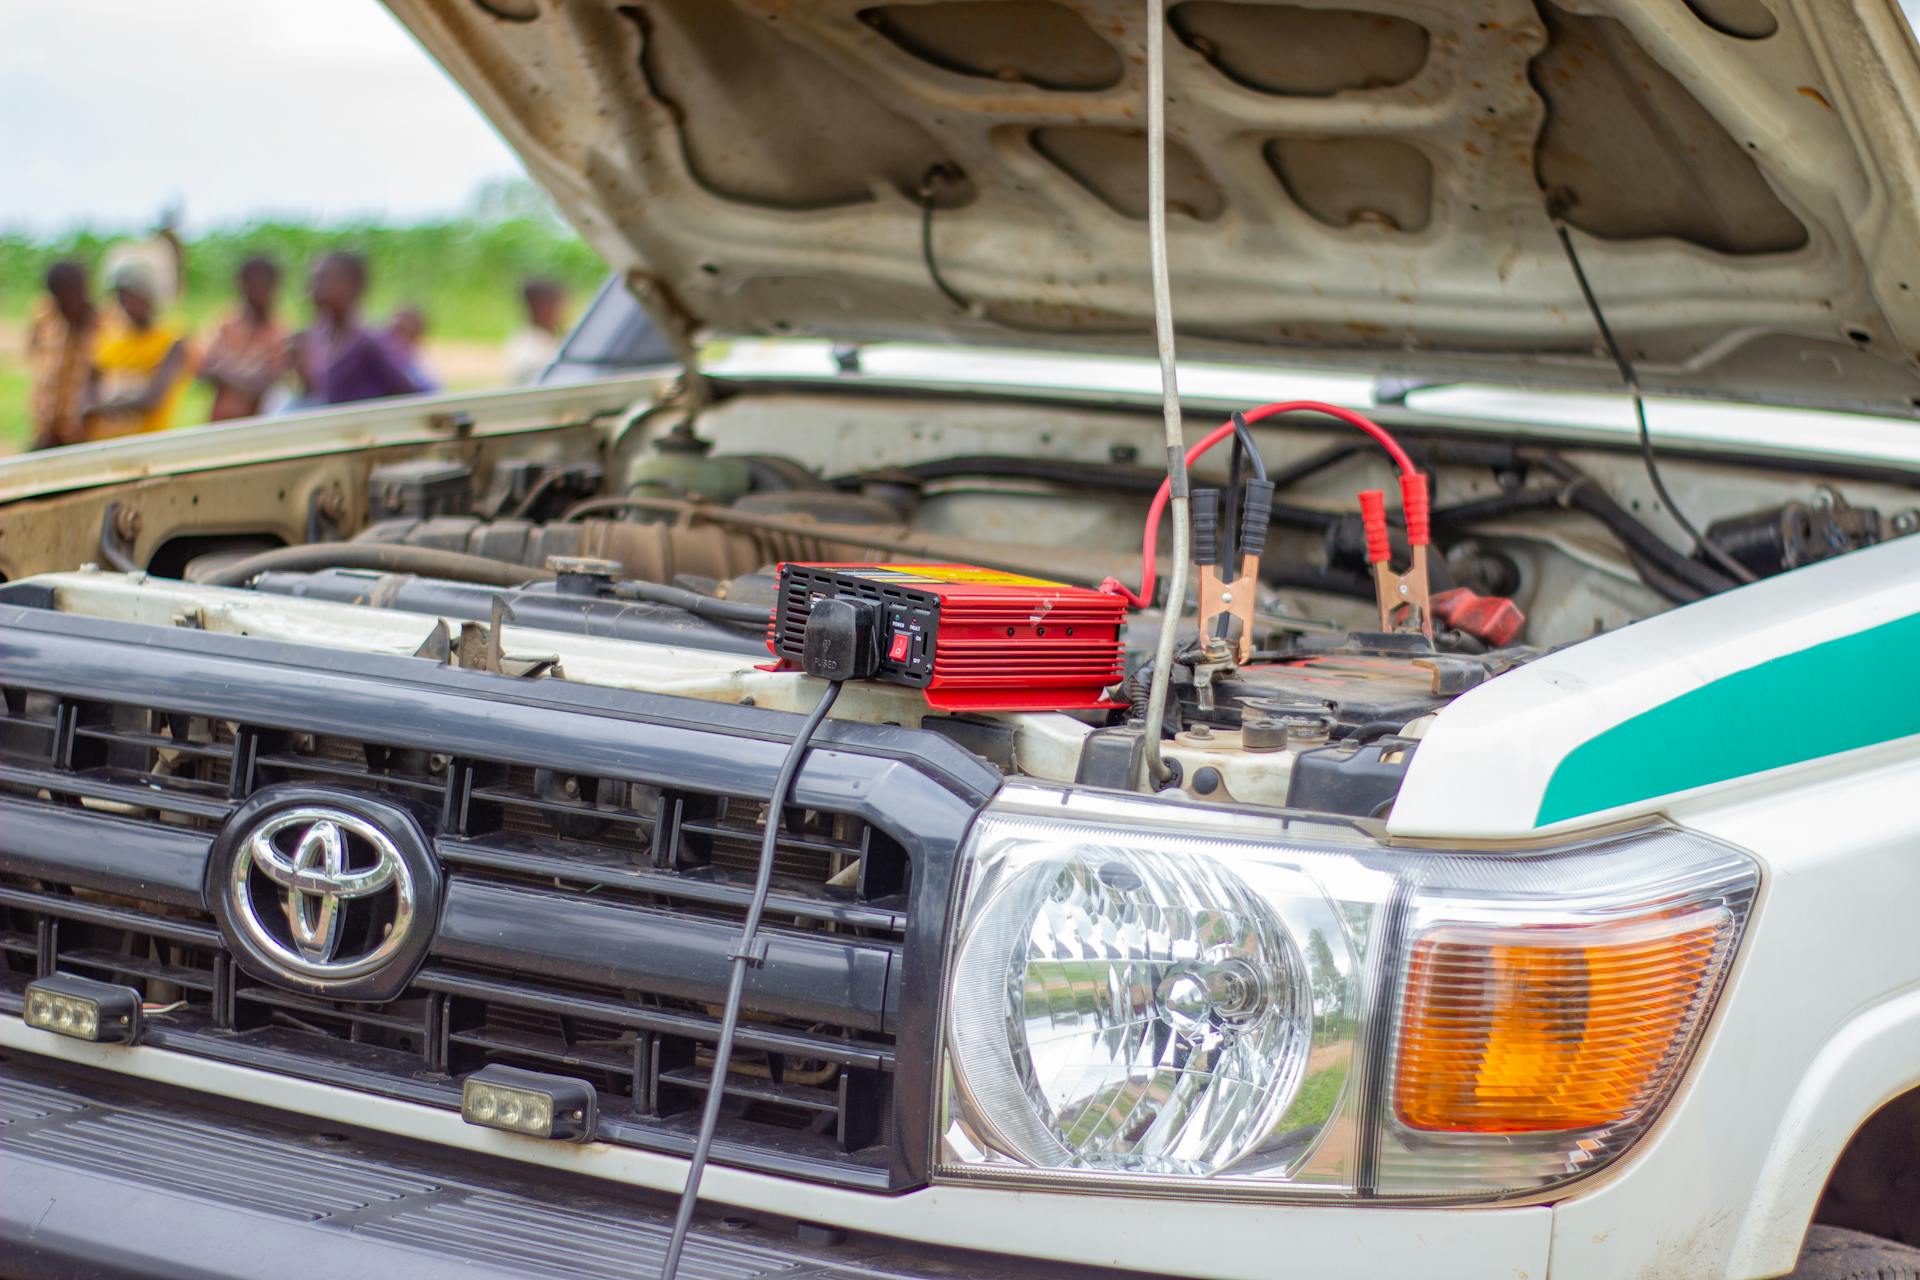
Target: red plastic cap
[
  {"x": 1373, "y": 518},
  {"x": 1413, "y": 501},
  {"x": 1494, "y": 620}
]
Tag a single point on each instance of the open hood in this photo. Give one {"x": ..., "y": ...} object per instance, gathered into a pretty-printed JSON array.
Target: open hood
[{"x": 1354, "y": 185}]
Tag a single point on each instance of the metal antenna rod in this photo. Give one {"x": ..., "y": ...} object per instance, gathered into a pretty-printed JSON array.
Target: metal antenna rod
[{"x": 1156, "y": 768}]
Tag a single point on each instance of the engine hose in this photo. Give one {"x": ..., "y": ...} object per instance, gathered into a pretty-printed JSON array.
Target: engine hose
[
  {"x": 1303, "y": 577},
  {"x": 1314, "y": 464},
  {"x": 1465, "y": 515},
  {"x": 1677, "y": 576},
  {"x": 1105, "y": 477},
  {"x": 1115, "y": 476},
  {"x": 1664, "y": 585},
  {"x": 1658, "y": 572},
  {"x": 1699, "y": 577},
  {"x": 871, "y": 537},
  {"x": 712, "y": 608},
  {"x": 382, "y": 557},
  {"x": 1583, "y": 494}
]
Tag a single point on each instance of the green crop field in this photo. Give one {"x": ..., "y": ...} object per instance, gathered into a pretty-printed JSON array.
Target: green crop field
[{"x": 465, "y": 274}]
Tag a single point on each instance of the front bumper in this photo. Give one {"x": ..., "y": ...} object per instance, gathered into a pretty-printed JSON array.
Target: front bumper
[
  {"x": 99, "y": 1178},
  {"x": 77, "y": 1211}
]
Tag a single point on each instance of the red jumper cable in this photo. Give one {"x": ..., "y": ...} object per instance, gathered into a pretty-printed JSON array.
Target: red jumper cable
[{"x": 1403, "y": 598}]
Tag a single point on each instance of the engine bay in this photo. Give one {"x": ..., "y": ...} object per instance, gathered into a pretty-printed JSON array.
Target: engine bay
[{"x": 1312, "y": 652}]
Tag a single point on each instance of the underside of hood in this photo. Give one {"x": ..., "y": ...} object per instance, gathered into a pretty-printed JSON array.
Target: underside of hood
[{"x": 1369, "y": 184}]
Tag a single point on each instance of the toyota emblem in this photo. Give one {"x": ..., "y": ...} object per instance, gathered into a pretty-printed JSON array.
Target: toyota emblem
[{"x": 325, "y": 892}]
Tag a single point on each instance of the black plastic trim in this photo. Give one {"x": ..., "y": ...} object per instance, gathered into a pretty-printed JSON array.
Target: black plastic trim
[
  {"x": 415, "y": 702},
  {"x": 852, "y": 1053},
  {"x": 187, "y": 932},
  {"x": 461, "y": 855},
  {"x": 102, "y": 851},
  {"x": 85, "y": 786},
  {"x": 812, "y": 977}
]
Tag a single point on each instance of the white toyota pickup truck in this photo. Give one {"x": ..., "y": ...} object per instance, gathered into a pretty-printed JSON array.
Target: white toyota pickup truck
[{"x": 917, "y": 793}]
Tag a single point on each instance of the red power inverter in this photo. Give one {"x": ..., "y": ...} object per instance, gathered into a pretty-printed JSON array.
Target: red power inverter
[{"x": 975, "y": 639}]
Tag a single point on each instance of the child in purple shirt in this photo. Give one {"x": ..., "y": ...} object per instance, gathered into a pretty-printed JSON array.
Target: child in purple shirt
[{"x": 340, "y": 361}]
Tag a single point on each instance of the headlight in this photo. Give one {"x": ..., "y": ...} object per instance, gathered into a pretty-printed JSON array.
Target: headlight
[{"x": 1148, "y": 996}]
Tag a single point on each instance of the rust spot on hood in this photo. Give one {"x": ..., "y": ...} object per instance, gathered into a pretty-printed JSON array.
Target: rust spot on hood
[{"x": 1808, "y": 91}]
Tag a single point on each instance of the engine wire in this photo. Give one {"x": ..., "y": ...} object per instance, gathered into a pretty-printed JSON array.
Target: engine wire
[
  {"x": 1251, "y": 451},
  {"x": 929, "y": 186},
  {"x": 1738, "y": 571}
]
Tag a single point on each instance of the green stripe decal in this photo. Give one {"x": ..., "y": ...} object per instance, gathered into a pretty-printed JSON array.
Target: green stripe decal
[{"x": 1852, "y": 692}]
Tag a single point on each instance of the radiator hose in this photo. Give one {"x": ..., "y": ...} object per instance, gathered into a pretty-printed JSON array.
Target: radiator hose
[{"x": 382, "y": 557}]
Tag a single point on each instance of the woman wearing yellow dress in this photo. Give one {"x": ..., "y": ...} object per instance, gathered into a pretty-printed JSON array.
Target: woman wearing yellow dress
[{"x": 140, "y": 362}]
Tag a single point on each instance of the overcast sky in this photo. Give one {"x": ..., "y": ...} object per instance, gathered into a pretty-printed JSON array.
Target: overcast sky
[{"x": 110, "y": 109}]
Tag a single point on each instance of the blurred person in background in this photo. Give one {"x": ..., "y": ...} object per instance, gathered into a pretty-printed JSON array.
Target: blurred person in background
[
  {"x": 533, "y": 347},
  {"x": 338, "y": 361},
  {"x": 248, "y": 353},
  {"x": 141, "y": 359},
  {"x": 405, "y": 332},
  {"x": 60, "y": 340}
]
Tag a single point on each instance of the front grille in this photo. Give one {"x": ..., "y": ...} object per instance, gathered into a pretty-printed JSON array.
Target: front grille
[
  {"x": 111, "y": 804},
  {"x": 822, "y": 1095}
]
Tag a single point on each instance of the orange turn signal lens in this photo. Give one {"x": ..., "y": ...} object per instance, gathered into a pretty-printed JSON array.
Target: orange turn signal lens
[{"x": 1545, "y": 1028}]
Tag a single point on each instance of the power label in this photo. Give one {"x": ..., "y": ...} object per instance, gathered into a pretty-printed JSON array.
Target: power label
[{"x": 948, "y": 575}]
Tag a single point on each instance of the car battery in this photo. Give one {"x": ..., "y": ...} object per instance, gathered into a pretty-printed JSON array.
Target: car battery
[{"x": 974, "y": 639}]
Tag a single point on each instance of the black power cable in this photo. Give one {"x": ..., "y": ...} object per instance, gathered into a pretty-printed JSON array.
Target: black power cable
[
  {"x": 743, "y": 956},
  {"x": 1243, "y": 440},
  {"x": 841, "y": 644},
  {"x": 1738, "y": 571},
  {"x": 928, "y": 195}
]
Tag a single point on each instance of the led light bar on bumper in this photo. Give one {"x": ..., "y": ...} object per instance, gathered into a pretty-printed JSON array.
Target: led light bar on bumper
[
  {"x": 82, "y": 1009},
  {"x": 1147, "y": 996},
  {"x": 529, "y": 1102}
]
